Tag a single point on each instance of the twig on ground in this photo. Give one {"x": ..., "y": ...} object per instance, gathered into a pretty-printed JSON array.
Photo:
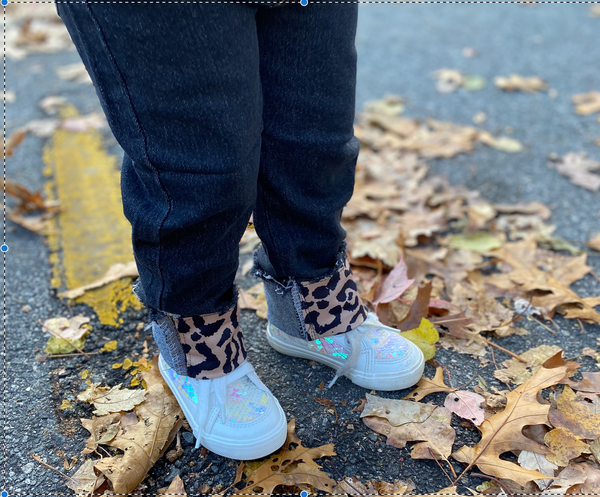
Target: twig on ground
[
  {"x": 544, "y": 326},
  {"x": 39, "y": 459}
]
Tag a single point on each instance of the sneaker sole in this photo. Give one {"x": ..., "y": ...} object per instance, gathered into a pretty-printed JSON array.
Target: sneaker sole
[
  {"x": 233, "y": 449},
  {"x": 385, "y": 382}
]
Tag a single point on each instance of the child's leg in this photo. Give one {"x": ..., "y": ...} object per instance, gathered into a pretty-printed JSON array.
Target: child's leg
[
  {"x": 180, "y": 86},
  {"x": 181, "y": 89},
  {"x": 308, "y": 158}
]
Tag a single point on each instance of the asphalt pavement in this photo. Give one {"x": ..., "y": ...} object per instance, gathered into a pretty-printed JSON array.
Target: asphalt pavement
[{"x": 399, "y": 46}]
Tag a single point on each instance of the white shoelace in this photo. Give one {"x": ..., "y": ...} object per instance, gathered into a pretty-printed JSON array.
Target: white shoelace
[{"x": 354, "y": 339}]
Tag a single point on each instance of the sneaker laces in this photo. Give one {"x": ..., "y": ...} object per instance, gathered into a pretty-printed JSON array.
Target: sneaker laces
[
  {"x": 218, "y": 386},
  {"x": 354, "y": 338}
]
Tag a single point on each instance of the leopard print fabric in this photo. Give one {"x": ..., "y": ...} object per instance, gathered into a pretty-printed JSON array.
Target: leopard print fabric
[
  {"x": 331, "y": 305},
  {"x": 213, "y": 343}
]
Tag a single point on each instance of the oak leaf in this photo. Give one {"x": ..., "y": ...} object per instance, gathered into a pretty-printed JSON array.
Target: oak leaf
[
  {"x": 425, "y": 386},
  {"x": 502, "y": 432},
  {"x": 293, "y": 465}
]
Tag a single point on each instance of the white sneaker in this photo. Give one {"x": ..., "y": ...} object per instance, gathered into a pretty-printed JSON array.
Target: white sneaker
[
  {"x": 373, "y": 356},
  {"x": 235, "y": 416}
]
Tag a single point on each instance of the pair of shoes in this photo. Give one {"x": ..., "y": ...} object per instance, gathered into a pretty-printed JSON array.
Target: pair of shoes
[{"x": 236, "y": 416}]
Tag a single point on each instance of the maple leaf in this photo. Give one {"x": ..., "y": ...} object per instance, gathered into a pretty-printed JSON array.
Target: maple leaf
[
  {"x": 293, "y": 465},
  {"x": 425, "y": 386},
  {"x": 502, "y": 432}
]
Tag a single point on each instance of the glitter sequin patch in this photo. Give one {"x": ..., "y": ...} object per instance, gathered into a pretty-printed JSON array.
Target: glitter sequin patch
[
  {"x": 329, "y": 346},
  {"x": 245, "y": 401},
  {"x": 183, "y": 384},
  {"x": 386, "y": 344}
]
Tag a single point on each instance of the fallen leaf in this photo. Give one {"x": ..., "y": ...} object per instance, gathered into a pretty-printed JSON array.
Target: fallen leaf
[
  {"x": 502, "y": 432},
  {"x": 538, "y": 462},
  {"x": 394, "y": 285},
  {"x": 575, "y": 416},
  {"x": 590, "y": 382},
  {"x": 434, "y": 434},
  {"x": 102, "y": 430},
  {"x": 291, "y": 466},
  {"x": 114, "y": 273},
  {"x": 478, "y": 241},
  {"x": 109, "y": 346},
  {"x": 70, "y": 329},
  {"x": 587, "y": 103},
  {"x": 419, "y": 309},
  {"x": 396, "y": 412},
  {"x": 84, "y": 481},
  {"x": 142, "y": 443},
  {"x": 425, "y": 386},
  {"x": 569, "y": 477},
  {"x": 175, "y": 488},
  {"x": 355, "y": 488},
  {"x": 466, "y": 405},
  {"x": 113, "y": 400},
  {"x": 424, "y": 337},
  {"x": 74, "y": 72},
  {"x": 515, "y": 82},
  {"x": 564, "y": 446},
  {"x": 578, "y": 168}
]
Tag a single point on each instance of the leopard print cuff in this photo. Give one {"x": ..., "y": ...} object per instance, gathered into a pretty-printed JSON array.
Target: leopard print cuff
[
  {"x": 312, "y": 309},
  {"x": 331, "y": 305},
  {"x": 213, "y": 343}
]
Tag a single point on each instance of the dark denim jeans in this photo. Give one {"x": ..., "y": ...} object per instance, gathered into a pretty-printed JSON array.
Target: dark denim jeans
[{"x": 224, "y": 110}]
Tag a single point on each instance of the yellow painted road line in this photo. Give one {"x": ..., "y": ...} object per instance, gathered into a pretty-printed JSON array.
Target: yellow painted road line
[{"x": 91, "y": 233}]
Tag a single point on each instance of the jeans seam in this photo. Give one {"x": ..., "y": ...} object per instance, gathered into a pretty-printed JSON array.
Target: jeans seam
[{"x": 145, "y": 141}]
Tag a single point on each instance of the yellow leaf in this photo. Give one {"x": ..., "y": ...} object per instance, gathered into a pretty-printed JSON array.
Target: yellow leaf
[
  {"x": 109, "y": 346},
  {"x": 112, "y": 400},
  {"x": 66, "y": 404},
  {"x": 127, "y": 363},
  {"x": 424, "y": 337},
  {"x": 134, "y": 382},
  {"x": 117, "y": 365},
  {"x": 84, "y": 374},
  {"x": 57, "y": 345}
]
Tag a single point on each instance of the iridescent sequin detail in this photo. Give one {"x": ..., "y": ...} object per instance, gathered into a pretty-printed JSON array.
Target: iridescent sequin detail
[
  {"x": 329, "y": 346},
  {"x": 183, "y": 384},
  {"x": 386, "y": 344},
  {"x": 245, "y": 401}
]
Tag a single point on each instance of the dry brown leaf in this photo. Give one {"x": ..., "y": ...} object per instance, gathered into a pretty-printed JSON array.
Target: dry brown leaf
[
  {"x": 502, "y": 432},
  {"x": 293, "y": 465},
  {"x": 564, "y": 446},
  {"x": 594, "y": 243},
  {"x": 14, "y": 139},
  {"x": 518, "y": 372},
  {"x": 587, "y": 103},
  {"x": 353, "y": 487},
  {"x": 113, "y": 400},
  {"x": 142, "y": 443},
  {"x": 176, "y": 488},
  {"x": 74, "y": 72},
  {"x": 427, "y": 386},
  {"x": 397, "y": 412},
  {"x": 434, "y": 434},
  {"x": 538, "y": 462},
  {"x": 575, "y": 416},
  {"x": 569, "y": 477},
  {"x": 68, "y": 329},
  {"x": 102, "y": 430},
  {"x": 394, "y": 285},
  {"x": 114, "y": 273},
  {"x": 578, "y": 168},
  {"x": 515, "y": 82},
  {"x": 246, "y": 301},
  {"x": 590, "y": 383},
  {"x": 85, "y": 481},
  {"x": 591, "y": 485}
]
